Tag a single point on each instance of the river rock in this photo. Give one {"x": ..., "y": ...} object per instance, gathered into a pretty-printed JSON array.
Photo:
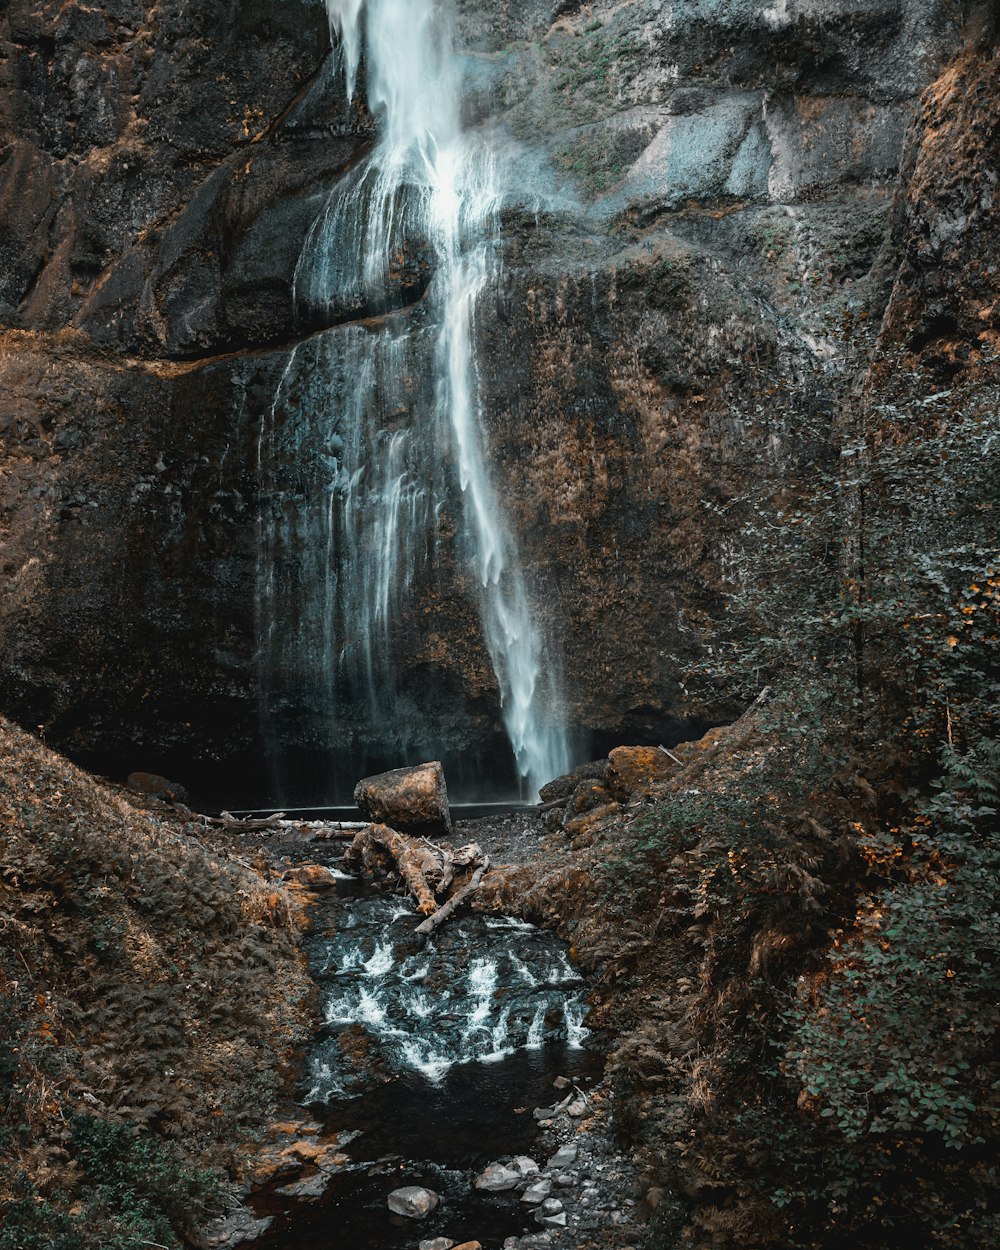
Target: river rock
[
  {"x": 552, "y": 1206},
  {"x": 564, "y": 1157},
  {"x": 233, "y": 1230},
  {"x": 637, "y": 770},
  {"x": 312, "y": 876},
  {"x": 437, "y": 1243},
  {"x": 413, "y": 1201},
  {"x": 536, "y": 1194},
  {"x": 577, "y": 1108},
  {"x": 497, "y": 1178},
  {"x": 412, "y": 800},
  {"x": 525, "y": 1166},
  {"x": 547, "y": 1113},
  {"x": 551, "y": 1221}
]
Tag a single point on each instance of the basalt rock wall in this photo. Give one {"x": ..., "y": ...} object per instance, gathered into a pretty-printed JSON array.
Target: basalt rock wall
[{"x": 701, "y": 247}]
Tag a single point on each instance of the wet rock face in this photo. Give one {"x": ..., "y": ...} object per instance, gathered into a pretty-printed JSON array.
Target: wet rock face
[
  {"x": 129, "y": 142},
  {"x": 716, "y": 183}
]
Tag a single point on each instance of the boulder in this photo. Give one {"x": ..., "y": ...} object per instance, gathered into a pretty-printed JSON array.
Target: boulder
[
  {"x": 563, "y": 787},
  {"x": 412, "y": 800},
  {"x": 590, "y": 805},
  {"x": 413, "y": 1201},
  {"x": 637, "y": 770},
  {"x": 157, "y": 787}
]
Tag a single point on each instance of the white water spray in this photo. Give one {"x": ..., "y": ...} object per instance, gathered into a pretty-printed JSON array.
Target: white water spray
[{"x": 421, "y": 213}]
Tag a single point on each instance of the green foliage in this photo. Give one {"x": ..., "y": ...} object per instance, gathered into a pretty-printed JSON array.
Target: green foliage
[
  {"x": 864, "y": 585},
  {"x": 134, "y": 1190},
  {"x": 28, "y": 1224},
  {"x": 895, "y": 1046},
  {"x": 141, "y": 1181}
]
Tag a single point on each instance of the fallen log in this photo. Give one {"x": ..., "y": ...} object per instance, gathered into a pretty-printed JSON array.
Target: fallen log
[
  {"x": 311, "y": 829},
  {"x": 418, "y": 865},
  {"x": 445, "y": 910}
]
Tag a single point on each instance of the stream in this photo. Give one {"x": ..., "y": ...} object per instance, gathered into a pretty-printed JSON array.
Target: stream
[{"x": 434, "y": 1052}]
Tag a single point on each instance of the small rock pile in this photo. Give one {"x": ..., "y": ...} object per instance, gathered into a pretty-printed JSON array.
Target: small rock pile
[{"x": 581, "y": 1191}]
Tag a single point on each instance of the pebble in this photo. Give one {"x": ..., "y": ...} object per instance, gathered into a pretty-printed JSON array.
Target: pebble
[
  {"x": 552, "y": 1206},
  {"x": 577, "y": 1108},
  {"x": 524, "y": 1165}
]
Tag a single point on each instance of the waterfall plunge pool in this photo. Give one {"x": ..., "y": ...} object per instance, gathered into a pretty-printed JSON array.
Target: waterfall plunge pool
[{"x": 435, "y": 1051}]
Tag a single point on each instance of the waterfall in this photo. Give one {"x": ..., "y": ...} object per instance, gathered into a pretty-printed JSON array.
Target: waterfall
[{"x": 405, "y": 248}]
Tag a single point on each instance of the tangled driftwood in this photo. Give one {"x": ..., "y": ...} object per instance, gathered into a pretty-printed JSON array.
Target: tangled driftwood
[{"x": 428, "y": 868}]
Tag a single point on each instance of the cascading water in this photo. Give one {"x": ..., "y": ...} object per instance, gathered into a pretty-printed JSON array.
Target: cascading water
[
  {"x": 382, "y": 414},
  {"x": 480, "y": 990}
]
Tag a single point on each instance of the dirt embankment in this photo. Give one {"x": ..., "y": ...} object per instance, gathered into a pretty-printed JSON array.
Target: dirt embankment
[{"x": 147, "y": 981}]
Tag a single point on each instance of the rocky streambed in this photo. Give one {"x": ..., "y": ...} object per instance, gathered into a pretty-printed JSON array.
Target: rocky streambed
[{"x": 453, "y": 1092}]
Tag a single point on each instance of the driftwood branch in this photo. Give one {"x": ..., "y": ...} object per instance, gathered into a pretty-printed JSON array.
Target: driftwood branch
[
  {"x": 314, "y": 830},
  {"x": 416, "y": 862},
  {"x": 671, "y": 755},
  {"x": 445, "y": 910}
]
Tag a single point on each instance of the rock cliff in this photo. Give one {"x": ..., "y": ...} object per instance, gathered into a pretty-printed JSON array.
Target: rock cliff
[{"x": 708, "y": 232}]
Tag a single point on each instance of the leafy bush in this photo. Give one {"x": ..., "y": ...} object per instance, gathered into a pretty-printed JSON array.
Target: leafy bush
[
  {"x": 133, "y": 1190},
  {"x": 832, "y": 888}
]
